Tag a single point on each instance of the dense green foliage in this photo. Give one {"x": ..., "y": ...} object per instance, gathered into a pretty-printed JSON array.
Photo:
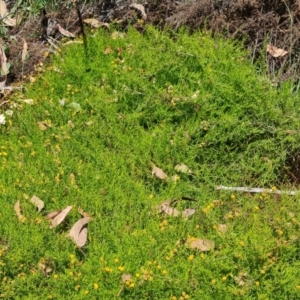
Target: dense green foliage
[{"x": 97, "y": 124}]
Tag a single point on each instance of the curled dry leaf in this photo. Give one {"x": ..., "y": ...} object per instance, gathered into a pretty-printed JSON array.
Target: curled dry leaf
[
  {"x": 53, "y": 214},
  {"x": 200, "y": 244},
  {"x": 276, "y": 52},
  {"x": 183, "y": 169},
  {"x": 43, "y": 125},
  {"x": 58, "y": 217},
  {"x": 140, "y": 8},
  {"x": 17, "y": 208},
  {"x": 24, "y": 51},
  {"x": 159, "y": 173},
  {"x": 8, "y": 21},
  {"x": 78, "y": 232},
  {"x": 108, "y": 50},
  {"x": 65, "y": 32},
  {"x": 96, "y": 23},
  {"x": 83, "y": 213},
  {"x": 4, "y": 64},
  {"x": 126, "y": 277},
  {"x": 166, "y": 208},
  {"x": 37, "y": 202},
  {"x": 188, "y": 212}
]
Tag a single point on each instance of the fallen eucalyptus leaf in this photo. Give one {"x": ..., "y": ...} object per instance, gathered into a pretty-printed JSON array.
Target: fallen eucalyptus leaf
[
  {"x": 140, "y": 8},
  {"x": 37, "y": 202},
  {"x": 96, "y": 23},
  {"x": 188, "y": 212},
  {"x": 126, "y": 277},
  {"x": 65, "y": 32},
  {"x": 17, "y": 208},
  {"x": 78, "y": 232},
  {"x": 24, "y": 51},
  {"x": 276, "y": 52},
  {"x": 59, "y": 217},
  {"x": 159, "y": 173}
]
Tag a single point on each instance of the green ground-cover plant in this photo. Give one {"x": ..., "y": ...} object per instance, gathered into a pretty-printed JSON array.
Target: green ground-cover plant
[{"x": 96, "y": 126}]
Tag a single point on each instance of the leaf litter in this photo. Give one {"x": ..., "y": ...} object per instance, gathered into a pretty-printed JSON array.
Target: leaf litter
[
  {"x": 37, "y": 202},
  {"x": 78, "y": 232},
  {"x": 57, "y": 217},
  {"x": 17, "y": 208},
  {"x": 200, "y": 244},
  {"x": 159, "y": 173}
]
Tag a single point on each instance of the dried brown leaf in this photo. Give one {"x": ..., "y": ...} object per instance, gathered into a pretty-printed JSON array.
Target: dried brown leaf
[
  {"x": 96, "y": 23},
  {"x": 188, "y": 212},
  {"x": 43, "y": 125},
  {"x": 78, "y": 232},
  {"x": 159, "y": 173},
  {"x": 3, "y": 9},
  {"x": 166, "y": 208},
  {"x": 17, "y": 208},
  {"x": 8, "y": 21},
  {"x": 65, "y": 32},
  {"x": 83, "y": 213},
  {"x": 276, "y": 52},
  {"x": 140, "y": 8},
  {"x": 24, "y": 51},
  {"x": 4, "y": 64},
  {"x": 60, "y": 216},
  {"x": 37, "y": 202},
  {"x": 200, "y": 244},
  {"x": 108, "y": 50},
  {"x": 126, "y": 277},
  {"x": 53, "y": 214}
]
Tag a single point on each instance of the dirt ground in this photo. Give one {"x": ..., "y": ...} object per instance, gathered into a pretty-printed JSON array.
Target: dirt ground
[{"x": 254, "y": 22}]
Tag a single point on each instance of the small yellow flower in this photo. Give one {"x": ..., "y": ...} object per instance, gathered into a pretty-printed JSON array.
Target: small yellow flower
[
  {"x": 280, "y": 232},
  {"x": 116, "y": 260},
  {"x": 263, "y": 271},
  {"x": 213, "y": 281},
  {"x": 121, "y": 269},
  {"x": 224, "y": 278},
  {"x": 197, "y": 226},
  {"x": 151, "y": 196},
  {"x": 256, "y": 207},
  {"x": 164, "y": 272},
  {"x": 86, "y": 292},
  {"x": 232, "y": 197},
  {"x": 137, "y": 275},
  {"x": 96, "y": 286},
  {"x": 173, "y": 298},
  {"x": 191, "y": 257},
  {"x": 257, "y": 283},
  {"x": 55, "y": 276},
  {"x": 158, "y": 267},
  {"x": 242, "y": 243},
  {"x": 132, "y": 285},
  {"x": 77, "y": 287}
]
